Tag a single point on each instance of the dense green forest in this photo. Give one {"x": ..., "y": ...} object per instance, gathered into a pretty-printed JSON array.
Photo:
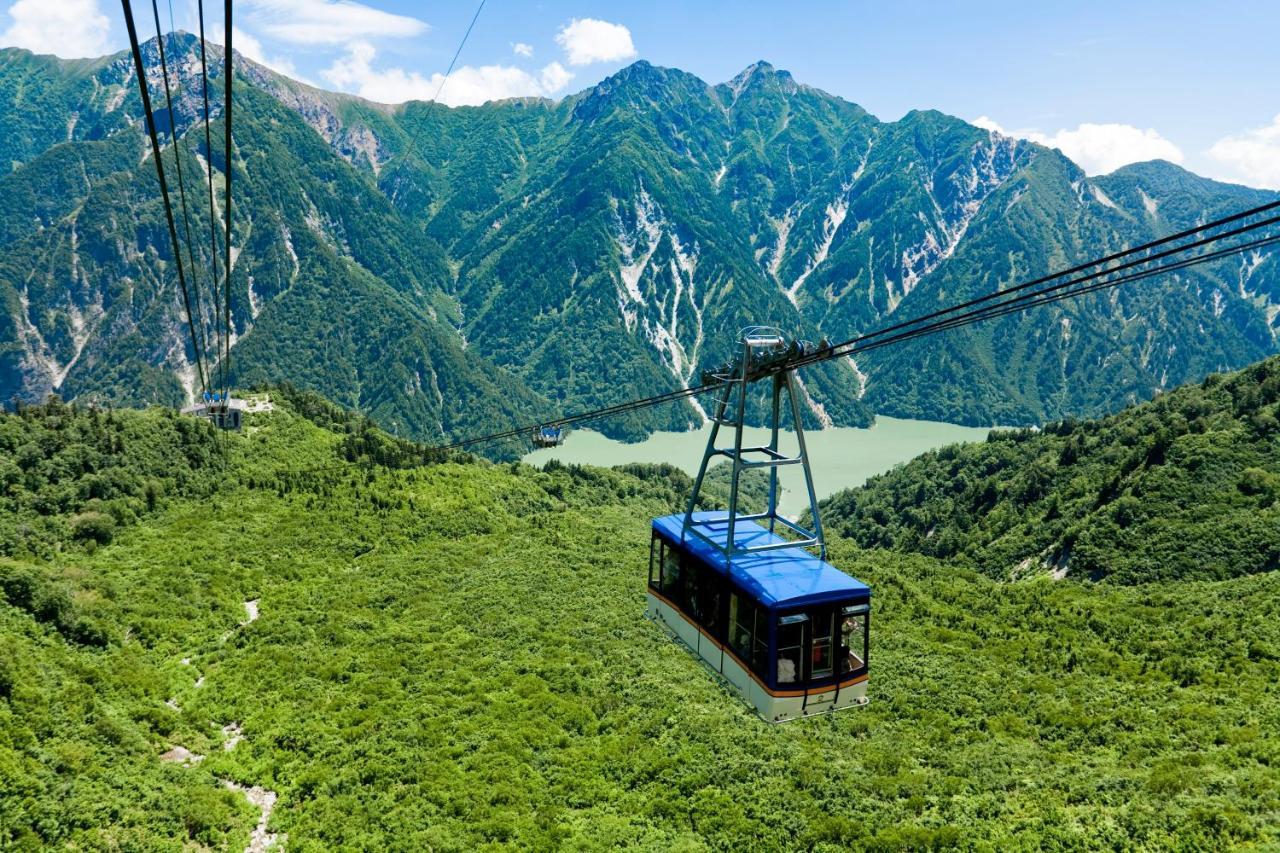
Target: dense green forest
[
  {"x": 450, "y": 654},
  {"x": 1185, "y": 486}
]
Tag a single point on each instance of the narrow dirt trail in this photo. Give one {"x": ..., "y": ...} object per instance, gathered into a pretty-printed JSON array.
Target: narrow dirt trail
[{"x": 260, "y": 840}]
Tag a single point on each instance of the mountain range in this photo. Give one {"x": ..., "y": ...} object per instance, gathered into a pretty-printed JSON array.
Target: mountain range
[{"x": 449, "y": 271}]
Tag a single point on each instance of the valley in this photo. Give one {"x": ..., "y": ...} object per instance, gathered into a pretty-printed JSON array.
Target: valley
[
  {"x": 455, "y": 655},
  {"x": 390, "y": 606}
]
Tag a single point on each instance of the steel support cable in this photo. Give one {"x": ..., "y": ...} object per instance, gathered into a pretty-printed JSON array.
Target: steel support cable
[
  {"x": 213, "y": 210},
  {"x": 1109, "y": 283},
  {"x": 1044, "y": 298},
  {"x": 1001, "y": 308},
  {"x": 841, "y": 349},
  {"x": 608, "y": 411},
  {"x": 620, "y": 408},
  {"x": 458, "y": 52},
  {"x": 1114, "y": 256},
  {"x": 143, "y": 89},
  {"x": 1022, "y": 303},
  {"x": 986, "y": 313},
  {"x": 1002, "y": 295},
  {"x": 226, "y": 114},
  {"x": 958, "y": 322},
  {"x": 182, "y": 188},
  {"x": 213, "y": 218},
  {"x": 220, "y": 439},
  {"x": 412, "y": 147},
  {"x": 1021, "y": 299}
]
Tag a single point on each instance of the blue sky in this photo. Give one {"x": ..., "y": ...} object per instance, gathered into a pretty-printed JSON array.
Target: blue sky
[{"x": 1108, "y": 82}]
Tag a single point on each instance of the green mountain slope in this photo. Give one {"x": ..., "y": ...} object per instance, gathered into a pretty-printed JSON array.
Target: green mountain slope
[
  {"x": 454, "y": 656},
  {"x": 566, "y": 255},
  {"x": 1132, "y": 341},
  {"x": 347, "y": 298},
  {"x": 1186, "y": 486}
]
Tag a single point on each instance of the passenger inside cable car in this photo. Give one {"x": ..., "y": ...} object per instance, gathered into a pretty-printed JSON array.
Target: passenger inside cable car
[{"x": 785, "y": 628}]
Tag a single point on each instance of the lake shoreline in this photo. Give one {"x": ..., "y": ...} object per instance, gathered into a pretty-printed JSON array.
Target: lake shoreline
[{"x": 841, "y": 457}]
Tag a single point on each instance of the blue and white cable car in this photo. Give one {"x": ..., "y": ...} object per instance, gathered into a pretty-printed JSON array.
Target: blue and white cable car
[
  {"x": 787, "y": 629},
  {"x": 548, "y": 436}
]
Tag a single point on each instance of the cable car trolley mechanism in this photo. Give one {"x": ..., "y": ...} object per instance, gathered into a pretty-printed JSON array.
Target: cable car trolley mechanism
[{"x": 786, "y": 629}]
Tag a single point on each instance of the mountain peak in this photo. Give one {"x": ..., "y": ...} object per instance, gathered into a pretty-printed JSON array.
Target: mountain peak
[
  {"x": 639, "y": 71},
  {"x": 760, "y": 66},
  {"x": 762, "y": 75},
  {"x": 640, "y": 84}
]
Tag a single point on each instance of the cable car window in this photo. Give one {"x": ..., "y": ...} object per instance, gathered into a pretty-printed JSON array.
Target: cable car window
[
  {"x": 691, "y": 574},
  {"x": 655, "y": 562},
  {"x": 707, "y": 599},
  {"x": 760, "y": 651},
  {"x": 853, "y": 637},
  {"x": 791, "y": 643},
  {"x": 749, "y": 632},
  {"x": 671, "y": 575},
  {"x": 742, "y": 616},
  {"x": 689, "y": 593},
  {"x": 821, "y": 658}
]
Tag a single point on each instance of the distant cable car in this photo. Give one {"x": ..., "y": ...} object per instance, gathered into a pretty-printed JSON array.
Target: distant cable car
[
  {"x": 223, "y": 411},
  {"x": 787, "y": 629},
  {"x": 548, "y": 436}
]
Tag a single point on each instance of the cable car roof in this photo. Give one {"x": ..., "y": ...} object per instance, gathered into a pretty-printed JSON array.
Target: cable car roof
[{"x": 785, "y": 577}]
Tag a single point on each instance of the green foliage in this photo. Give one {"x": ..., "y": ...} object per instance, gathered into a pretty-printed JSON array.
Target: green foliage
[
  {"x": 93, "y": 526},
  {"x": 51, "y": 602},
  {"x": 753, "y": 485},
  {"x": 452, "y": 656},
  {"x": 69, "y": 473},
  {"x": 324, "y": 261},
  {"x": 1185, "y": 486}
]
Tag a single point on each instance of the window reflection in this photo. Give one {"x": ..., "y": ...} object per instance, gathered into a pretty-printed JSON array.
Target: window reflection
[
  {"x": 853, "y": 638},
  {"x": 821, "y": 660},
  {"x": 791, "y": 642}
]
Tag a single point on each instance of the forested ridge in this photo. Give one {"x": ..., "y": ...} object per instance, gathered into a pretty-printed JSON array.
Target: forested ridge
[
  {"x": 451, "y": 654},
  {"x": 1184, "y": 486}
]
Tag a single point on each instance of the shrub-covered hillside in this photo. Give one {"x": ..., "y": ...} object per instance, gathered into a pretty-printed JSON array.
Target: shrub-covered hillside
[
  {"x": 68, "y": 472},
  {"x": 1186, "y": 486},
  {"x": 451, "y": 655}
]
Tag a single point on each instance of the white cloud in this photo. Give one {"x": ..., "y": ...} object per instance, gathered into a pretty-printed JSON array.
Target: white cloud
[
  {"x": 327, "y": 21},
  {"x": 470, "y": 85},
  {"x": 1102, "y": 148},
  {"x": 1099, "y": 148},
  {"x": 1253, "y": 156},
  {"x": 68, "y": 28},
  {"x": 522, "y": 49},
  {"x": 249, "y": 46},
  {"x": 555, "y": 77},
  {"x": 988, "y": 123},
  {"x": 588, "y": 40}
]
